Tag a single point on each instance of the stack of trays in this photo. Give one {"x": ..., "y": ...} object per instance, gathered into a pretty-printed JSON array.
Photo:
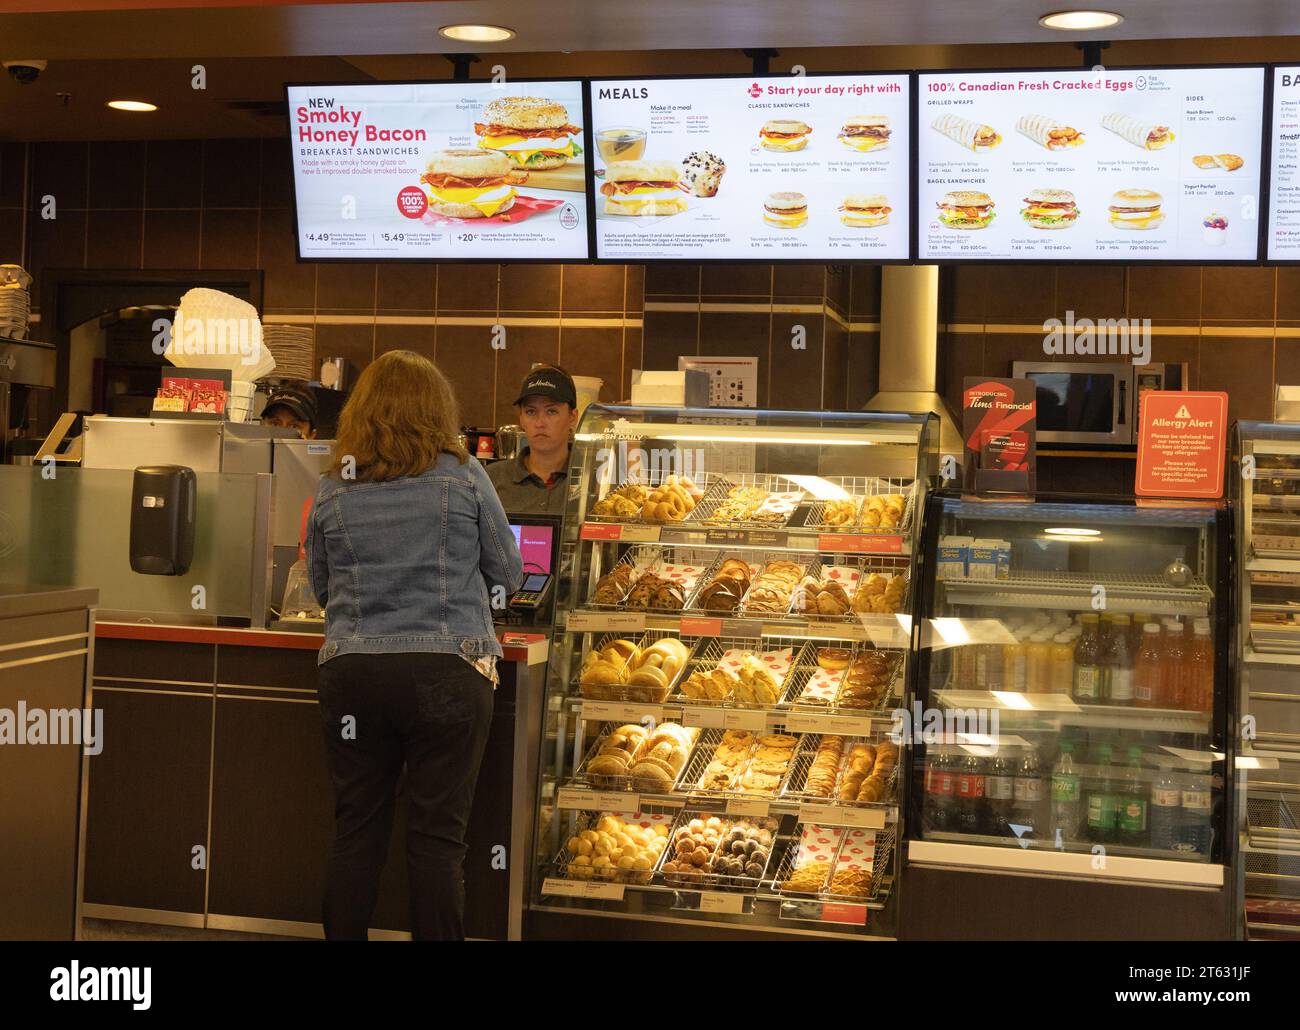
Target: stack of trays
[
  {"x": 293, "y": 347},
  {"x": 15, "y": 302}
]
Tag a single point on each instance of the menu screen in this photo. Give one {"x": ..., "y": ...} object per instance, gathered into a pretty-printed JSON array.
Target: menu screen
[
  {"x": 781, "y": 168},
  {"x": 1112, "y": 165},
  {"x": 1284, "y": 198},
  {"x": 452, "y": 170}
]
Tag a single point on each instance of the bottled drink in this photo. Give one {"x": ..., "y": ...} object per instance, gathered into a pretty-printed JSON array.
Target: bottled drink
[
  {"x": 970, "y": 794},
  {"x": 1013, "y": 665},
  {"x": 1103, "y": 801},
  {"x": 1030, "y": 796},
  {"x": 1103, "y": 649},
  {"x": 1175, "y": 679},
  {"x": 1148, "y": 669},
  {"x": 1117, "y": 665},
  {"x": 1195, "y": 831},
  {"x": 988, "y": 666},
  {"x": 1140, "y": 619},
  {"x": 1061, "y": 680},
  {"x": 1087, "y": 663},
  {"x": 1133, "y": 803},
  {"x": 1039, "y": 661},
  {"x": 1000, "y": 791},
  {"x": 1201, "y": 661},
  {"x": 1067, "y": 803},
  {"x": 940, "y": 790},
  {"x": 1166, "y": 810}
]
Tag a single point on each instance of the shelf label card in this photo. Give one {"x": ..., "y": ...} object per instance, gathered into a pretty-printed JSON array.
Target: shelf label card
[
  {"x": 741, "y": 628},
  {"x": 705, "y": 718},
  {"x": 614, "y": 622},
  {"x": 860, "y": 544},
  {"x": 839, "y": 912},
  {"x": 752, "y": 537},
  {"x": 696, "y": 627},
  {"x": 585, "y": 800},
  {"x": 743, "y": 806},
  {"x": 718, "y": 901},
  {"x": 619, "y": 711},
  {"x": 640, "y": 533},
  {"x": 828, "y": 814},
  {"x": 600, "y": 531},
  {"x": 561, "y": 888},
  {"x": 1180, "y": 450},
  {"x": 742, "y": 719},
  {"x": 828, "y": 722}
]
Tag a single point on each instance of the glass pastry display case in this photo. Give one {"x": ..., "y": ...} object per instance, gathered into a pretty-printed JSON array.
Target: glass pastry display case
[
  {"x": 1071, "y": 750},
  {"x": 1268, "y": 541},
  {"x": 732, "y": 626}
]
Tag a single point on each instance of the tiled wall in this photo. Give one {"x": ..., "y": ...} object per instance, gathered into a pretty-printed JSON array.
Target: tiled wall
[{"x": 1238, "y": 329}]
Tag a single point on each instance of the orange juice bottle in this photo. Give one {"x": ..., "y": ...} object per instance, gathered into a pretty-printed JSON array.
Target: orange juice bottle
[
  {"x": 1013, "y": 665},
  {"x": 1038, "y": 662},
  {"x": 1061, "y": 680},
  {"x": 1148, "y": 669}
]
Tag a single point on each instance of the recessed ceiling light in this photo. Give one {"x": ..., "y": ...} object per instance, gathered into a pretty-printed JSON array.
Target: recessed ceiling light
[
  {"x": 132, "y": 105},
  {"x": 477, "y": 33},
  {"x": 1080, "y": 21}
]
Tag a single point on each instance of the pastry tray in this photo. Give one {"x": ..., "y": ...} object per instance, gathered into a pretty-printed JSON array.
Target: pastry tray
[
  {"x": 707, "y": 576},
  {"x": 859, "y": 488},
  {"x": 631, "y": 691},
  {"x": 606, "y": 781},
  {"x": 649, "y": 557},
  {"x": 807, "y": 667},
  {"x": 588, "y": 821},
  {"x": 797, "y": 776},
  {"x": 717, "y": 881},
  {"x": 719, "y": 488},
  {"x": 704, "y": 481},
  {"x": 883, "y": 854},
  {"x": 688, "y": 782},
  {"x": 709, "y": 651},
  {"x": 864, "y": 567}
]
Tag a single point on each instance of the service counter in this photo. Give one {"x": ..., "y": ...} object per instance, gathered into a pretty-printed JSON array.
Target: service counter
[{"x": 211, "y": 805}]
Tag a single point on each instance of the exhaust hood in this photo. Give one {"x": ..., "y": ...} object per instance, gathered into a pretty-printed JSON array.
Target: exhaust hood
[{"x": 909, "y": 349}]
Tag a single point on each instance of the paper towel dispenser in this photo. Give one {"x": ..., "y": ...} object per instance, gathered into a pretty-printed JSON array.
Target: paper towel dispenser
[{"x": 162, "y": 519}]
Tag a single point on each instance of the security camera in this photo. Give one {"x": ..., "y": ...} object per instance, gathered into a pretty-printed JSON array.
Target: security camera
[{"x": 25, "y": 72}]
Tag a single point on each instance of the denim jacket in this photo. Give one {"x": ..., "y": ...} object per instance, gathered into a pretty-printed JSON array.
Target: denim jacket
[{"x": 411, "y": 564}]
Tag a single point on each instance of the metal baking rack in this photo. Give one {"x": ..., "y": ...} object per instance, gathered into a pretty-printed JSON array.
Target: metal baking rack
[
  {"x": 704, "y": 513},
  {"x": 704, "y": 481},
  {"x": 709, "y": 651},
  {"x": 559, "y": 865},
  {"x": 649, "y": 558},
  {"x": 891, "y": 565},
  {"x": 608, "y": 781},
  {"x": 631, "y": 691},
  {"x": 883, "y": 854},
  {"x": 705, "y": 747},
  {"x": 860, "y": 488},
  {"x": 716, "y": 881},
  {"x": 806, "y": 667},
  {"x": 796, "y": 780}
]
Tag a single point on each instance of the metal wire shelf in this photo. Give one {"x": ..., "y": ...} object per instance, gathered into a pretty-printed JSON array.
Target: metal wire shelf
[
  {"x": 701, "y": 880},
  {"x": 860, "y": 489},
  {"x": 705, "y": 512},
  {"x": 627, "y": 782},
  {"x": 704, "y": 482},
  {"x": 709, "y": 653},
  {"x": 1125, "y": 592},
  {"x": 635, "y": 692},
  {"x": 795, "y": 787},
  {"x": 881, "y": 863},
  {"x": 805, "y": 670},
  {"x": 705, "y": 748}
]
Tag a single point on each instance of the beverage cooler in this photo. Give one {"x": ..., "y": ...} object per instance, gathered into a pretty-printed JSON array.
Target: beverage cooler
[
  {"x": 1071, "y": 768},
  {"x": 1268, "y": 541},
  {"x": 731, "y": 640}
]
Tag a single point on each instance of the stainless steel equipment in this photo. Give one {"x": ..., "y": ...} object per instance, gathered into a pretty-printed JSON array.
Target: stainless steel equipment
[
  {"x": 26, "y": 367},
  {"x": 509, "y": 440},
  {"x": 205, "y": 446}
]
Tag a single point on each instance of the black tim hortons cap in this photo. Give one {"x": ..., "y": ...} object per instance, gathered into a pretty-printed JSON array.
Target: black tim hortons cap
[
  {"x": 297, "y": 399},
  {"x": 549, "y": 381}
]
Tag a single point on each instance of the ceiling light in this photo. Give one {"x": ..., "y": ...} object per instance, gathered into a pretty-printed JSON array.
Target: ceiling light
[
  {"x": 477, "y": 33},
  {"x": 132, "y": 105},
  {"x": 1071, "y": 531},
  {"x": 1080, "y": 21}
]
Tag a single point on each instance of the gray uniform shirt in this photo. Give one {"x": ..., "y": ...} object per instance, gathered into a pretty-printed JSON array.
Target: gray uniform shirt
[{"x": 524, "y": 493}]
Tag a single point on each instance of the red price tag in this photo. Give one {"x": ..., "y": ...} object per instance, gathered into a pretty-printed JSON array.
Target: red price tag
[
  {"x": 861, "y": 543},
  {"x": 600, "y": 531},
  {"x": 701, "y": 627},
  {"x": 838, "y": 912}
]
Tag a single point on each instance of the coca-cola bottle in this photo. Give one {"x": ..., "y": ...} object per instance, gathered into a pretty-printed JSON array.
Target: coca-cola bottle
[
  {"x": 1030, "y": 798},
  {"x": 940, "y": 791},
  {"x": 971, "y": 816},
  {"x": 999, "y": 792}
]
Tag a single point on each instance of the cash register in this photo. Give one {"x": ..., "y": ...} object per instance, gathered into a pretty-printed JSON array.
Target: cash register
[{"x": 537, "y": 537}]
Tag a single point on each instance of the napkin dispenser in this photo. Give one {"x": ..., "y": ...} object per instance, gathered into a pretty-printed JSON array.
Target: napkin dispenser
[{"x": 162, "y": 519}]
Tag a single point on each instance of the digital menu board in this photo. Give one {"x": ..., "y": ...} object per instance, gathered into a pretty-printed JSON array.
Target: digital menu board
[
  {"x": 1284, "y": 182},
  {"x": 768, "y": 168},
  {"x": 1110, "y": 165},
  {"x": 447, "y": 170}
]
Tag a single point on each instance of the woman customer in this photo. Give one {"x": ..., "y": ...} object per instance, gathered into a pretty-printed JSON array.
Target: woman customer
[{"x": 409, "y": 547}]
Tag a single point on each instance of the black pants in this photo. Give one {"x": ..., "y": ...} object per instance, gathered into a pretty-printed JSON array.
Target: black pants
[{"x": 432, "y": 713}]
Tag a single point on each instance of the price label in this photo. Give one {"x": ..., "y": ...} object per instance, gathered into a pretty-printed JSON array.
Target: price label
[
  {"x": 604, "y": 711},
  {"x": 838, "y": 912},
  {"x": 600, "y": 531},
  {"x": 717, "y": 901},
  {"x": 811, "y": 722},
  {"x": 741, "y": 628},
  {"x": 752, "y": 537},
  {"x": 744, "y": 806},
  {"x": 742, "y": 719},
  {"x": 590, "y": 800},
  {"x": 617, "y": 622},
  {"x": 842, "y": 815},
  {"x": 705, "y": 718},
  {"x": 692, "y": 627},
  {"x": 640, "y": 534},
  {"x": 556, "y": 887}
]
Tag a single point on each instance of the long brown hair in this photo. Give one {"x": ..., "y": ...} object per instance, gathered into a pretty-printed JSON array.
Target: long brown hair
[{"x": 401, "y": 415}]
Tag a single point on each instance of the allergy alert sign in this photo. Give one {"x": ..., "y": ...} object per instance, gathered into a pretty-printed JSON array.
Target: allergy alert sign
[{"x": 1180, "y": 451}]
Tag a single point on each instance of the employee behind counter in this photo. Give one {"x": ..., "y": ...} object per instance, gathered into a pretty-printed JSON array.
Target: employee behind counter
[{"x": 533, "y": 483}]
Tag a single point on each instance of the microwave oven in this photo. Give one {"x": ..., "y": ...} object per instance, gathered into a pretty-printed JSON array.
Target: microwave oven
[{"x": 1094, "y": 402}]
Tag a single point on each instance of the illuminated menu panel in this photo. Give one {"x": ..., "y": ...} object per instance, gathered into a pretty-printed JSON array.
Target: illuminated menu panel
[
  {"x": 1284, "y": 190},
  {"x": 770, "y": 168},
  {"x": 448, "y": 170},
  {"x": 1111, "y": 165}
]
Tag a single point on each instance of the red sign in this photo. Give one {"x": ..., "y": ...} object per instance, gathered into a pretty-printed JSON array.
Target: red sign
[
  {"x": 860, "y": 543},
  {"x": 1180, "y": 451},
  {"x": 600, "y": 531},
  {"x": 412, "y": 202},
  {"x": 841, "y": 912},
  {"x": 697, "y": 627}
]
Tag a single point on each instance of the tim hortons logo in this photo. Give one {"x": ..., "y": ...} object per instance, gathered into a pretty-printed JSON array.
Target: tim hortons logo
[{"x": 755, "y": 90}]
